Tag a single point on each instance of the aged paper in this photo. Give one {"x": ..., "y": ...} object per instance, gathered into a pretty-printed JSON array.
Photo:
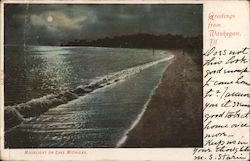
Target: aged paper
[{"x": 125, "y": 80}]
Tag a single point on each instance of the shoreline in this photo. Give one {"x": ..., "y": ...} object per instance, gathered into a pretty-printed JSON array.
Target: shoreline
[
  {"x": 97, "y": 120},
  {"x": 173, "y": 116},
  {"x": 124, "y": 138},
  {"x": 17, "y": 114}
]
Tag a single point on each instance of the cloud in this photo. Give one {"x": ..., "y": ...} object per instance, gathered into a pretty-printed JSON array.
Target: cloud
[
  {"x": 91, "y": 21},
  {"x": 60, "y": 21}
]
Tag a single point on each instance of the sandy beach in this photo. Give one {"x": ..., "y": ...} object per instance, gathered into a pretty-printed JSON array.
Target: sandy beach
[{"x": 173, "y": 117}]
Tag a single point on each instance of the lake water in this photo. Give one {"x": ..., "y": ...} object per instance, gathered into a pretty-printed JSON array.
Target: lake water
[{"x": 96, "y": 119}]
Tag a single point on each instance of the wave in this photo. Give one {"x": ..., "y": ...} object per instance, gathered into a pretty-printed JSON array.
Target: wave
[
  {"x": 139, "y": 117},
  {"x": 16, "y": 114}
]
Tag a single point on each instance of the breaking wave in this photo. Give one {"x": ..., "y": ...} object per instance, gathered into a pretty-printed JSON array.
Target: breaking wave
[{"x": 16, "y": 114}]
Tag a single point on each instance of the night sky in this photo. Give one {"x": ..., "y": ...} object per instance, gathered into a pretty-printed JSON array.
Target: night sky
[{"x": 47, "y": 24}]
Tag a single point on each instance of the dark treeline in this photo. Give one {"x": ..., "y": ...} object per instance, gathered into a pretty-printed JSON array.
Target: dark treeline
[
  {"x": 191, "y": 45},
  {"x": 143, "y": 40}
]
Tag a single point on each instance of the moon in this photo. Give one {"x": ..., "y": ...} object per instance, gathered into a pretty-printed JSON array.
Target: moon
[{"x": 49, "y": 18}]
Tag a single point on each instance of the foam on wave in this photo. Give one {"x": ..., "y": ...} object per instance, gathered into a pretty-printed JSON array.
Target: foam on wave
[{"x": 14, "y": 115}]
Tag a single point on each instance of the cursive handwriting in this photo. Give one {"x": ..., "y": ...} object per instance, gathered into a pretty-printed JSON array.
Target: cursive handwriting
[{"x": 226, "y": 105}]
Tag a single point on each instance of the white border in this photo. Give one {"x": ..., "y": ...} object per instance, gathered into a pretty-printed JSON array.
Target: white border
[{"x": 156, "y": 154}]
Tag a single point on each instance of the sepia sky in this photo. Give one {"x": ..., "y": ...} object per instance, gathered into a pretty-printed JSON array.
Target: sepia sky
[{"x": 49, "y": 24}]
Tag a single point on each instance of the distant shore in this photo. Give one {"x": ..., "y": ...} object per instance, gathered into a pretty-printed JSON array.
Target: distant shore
[
  {"x": 173, "y": 117},
  {"x": 141, "y": 41}
]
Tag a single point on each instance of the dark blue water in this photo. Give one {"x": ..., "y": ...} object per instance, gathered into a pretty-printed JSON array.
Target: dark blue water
[
  {"x": 35, "y": 71},
  {"x": 100, "y": 118}
]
